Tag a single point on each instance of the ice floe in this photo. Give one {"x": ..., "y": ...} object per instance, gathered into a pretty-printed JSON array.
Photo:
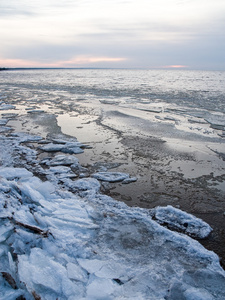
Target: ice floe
[
  {"x": 36, "y": 111},
  {"x": 3, "y": 122},
  {"x": 61, "y": 160},
  {"x": 110, "y": 101},
  {"x": 68, "y": 147},
  {"x": 9, "y": 115},
  {"x": 111, "y": 176},
  {"x": 216, "y": 121},
  {"x": 5, "y": 106},
  {"x": 114, "y": 177},
  {"x": 12, "y": 173},
  {"x": 66, "y": 240},
  {"x": 4, "y": 129},
  {"x": 177, "y": 219},
  {"x": 129, "y": 180}
]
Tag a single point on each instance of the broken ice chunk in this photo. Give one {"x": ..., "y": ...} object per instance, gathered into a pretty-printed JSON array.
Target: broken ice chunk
[
  {"x": 72, "y": 148},
  {"x": 178, "y": 219},
  {"x": 5, "y": 232},
  {"x": 9, "y": 115},
  {"x": 52, "y": 147},
  {"x": 11, "y": 173},
  {"x": 3, "y": 122},
  {"x": 76, "y": 272},
  {"x": 4, "y": 129},
  {"x": 60, "y": 169},
  {"x": 84, "y": 184},
  {"x": 216, "y": 122},
  {"x": 100, "y": 288},
  {"x": 35, "y": 111},
  {"x": 26, "y": 137},
  {"x": 4, "y": 106},
  {"x": 111, "y": 176},
  {"x": 129, "y": 180},
  {"x": 61, "y": 159},
  {"x": 109, "y": 269},
  {"x": 42, "y": 273}
]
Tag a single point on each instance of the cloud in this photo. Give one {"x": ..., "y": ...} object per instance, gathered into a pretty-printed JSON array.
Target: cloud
[
  {"x": 174, "y": 67},
  {"x": 72, "y": 63},
  {"x": 122, "y": 33},
  {"x": 15, "y": 8},
  {"x": 19, "y": 63},
  {"x": 85, "y": 60}
]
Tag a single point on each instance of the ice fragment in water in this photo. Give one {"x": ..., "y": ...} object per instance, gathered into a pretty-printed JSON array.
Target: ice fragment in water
[
  {"x": 84, "y": 184},
  {"x": 178, "y": 219},
  {"x": 25, "y": 137},
  {"x": 3, "y": 122},
  {"x": 110, "y": 176},
  {"x": 60, "y": 169},
  {"x": 216, "y": 121},
  {"x": 129, "y": 180},
  {"x": 72, "y": 148},
  {"x": 35, "y": 111},
  {"x": 52, "y": 147},
  {"x": 6, "y": 106},
  {"x": 61, "y": 160},
  {"x": 4, "y": 129}
]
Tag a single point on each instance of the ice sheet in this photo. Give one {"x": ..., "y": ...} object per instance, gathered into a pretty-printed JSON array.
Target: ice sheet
[
  {"x": 75, "y": 243},
  {"x": 66, "y": 240}
]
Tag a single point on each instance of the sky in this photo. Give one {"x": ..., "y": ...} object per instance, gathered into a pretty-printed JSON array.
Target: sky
[{"x": 113, "y": 33}]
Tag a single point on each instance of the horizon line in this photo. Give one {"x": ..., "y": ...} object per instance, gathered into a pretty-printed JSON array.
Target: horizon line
[{"x": 108, "y": 68}]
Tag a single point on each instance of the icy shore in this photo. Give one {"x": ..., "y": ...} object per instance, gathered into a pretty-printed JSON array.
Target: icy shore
[{"x": 60, "y": 238}]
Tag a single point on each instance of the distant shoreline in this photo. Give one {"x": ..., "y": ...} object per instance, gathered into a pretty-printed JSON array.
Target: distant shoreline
[
  {"x": 104, "y": 68},
  {"x": 88, "y": 68}
]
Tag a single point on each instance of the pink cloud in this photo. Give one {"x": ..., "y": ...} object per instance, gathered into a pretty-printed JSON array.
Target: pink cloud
[
  {"x": 175, "y": 67},
  {"x": 74, "y": 62},
  {"x": 88, "y": 60}
]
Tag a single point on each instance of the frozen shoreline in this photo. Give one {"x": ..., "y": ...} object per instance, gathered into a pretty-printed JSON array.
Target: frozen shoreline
[
  {"x": 62, "y": 234},
  {"x": 62, "y": 238}
]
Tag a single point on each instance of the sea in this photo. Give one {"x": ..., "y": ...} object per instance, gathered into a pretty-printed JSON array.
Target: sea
[
  {"x": 112, "y": 184},
  {"x": 185, "y": 88},
  {"x": 173, "y": 117},
  {"x": 164, "y": 127}
]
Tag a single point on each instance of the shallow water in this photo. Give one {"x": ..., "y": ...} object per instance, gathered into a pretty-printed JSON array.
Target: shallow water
[{"x": 164, "y": 127}]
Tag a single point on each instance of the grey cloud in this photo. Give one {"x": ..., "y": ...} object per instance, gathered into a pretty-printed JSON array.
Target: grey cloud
[
  {"x": 205, "y": 53},
  {"x": 9, "y": 8}
]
